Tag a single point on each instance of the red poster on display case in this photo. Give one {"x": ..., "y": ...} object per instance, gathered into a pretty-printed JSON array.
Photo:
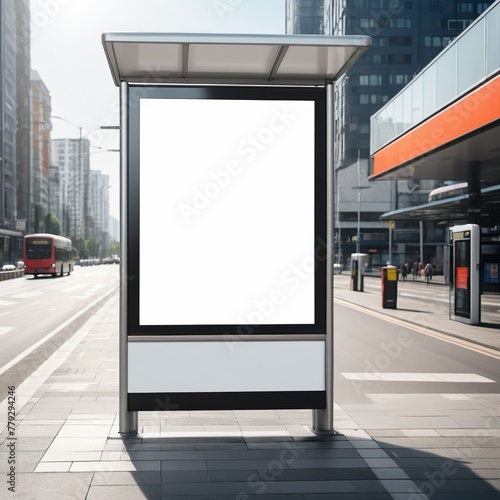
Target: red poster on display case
[{"x": 462, "y": 275}]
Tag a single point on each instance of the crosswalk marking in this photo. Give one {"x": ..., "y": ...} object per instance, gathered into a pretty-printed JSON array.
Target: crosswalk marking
[
  {"x": 418, "y": 377},
  {"x": 5, "y": 329},
  {"x": 6, "y": 303}
]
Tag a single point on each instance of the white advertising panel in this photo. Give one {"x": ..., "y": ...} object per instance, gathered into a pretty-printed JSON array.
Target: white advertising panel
[{"x": 227, "y": 212}]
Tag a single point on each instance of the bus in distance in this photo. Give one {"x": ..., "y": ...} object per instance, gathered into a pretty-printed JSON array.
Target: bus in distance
[{"x": 48, "y": 254}]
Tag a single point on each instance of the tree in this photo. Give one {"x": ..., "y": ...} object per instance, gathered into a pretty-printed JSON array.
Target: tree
[
  {"x": 52, "y": 224},
  {"x": 81, "y": 247},
  {"x": 115, "y": 248},
  {"x": 93, "y": 247}
]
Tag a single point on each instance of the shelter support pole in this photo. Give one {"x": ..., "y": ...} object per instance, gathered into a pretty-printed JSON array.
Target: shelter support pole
[
  {"x": 474, "y": 189},
  {"x": 128, "y": 419},
  {"x": 421, "y": 232},
  {"x": 323, "y": 419}
]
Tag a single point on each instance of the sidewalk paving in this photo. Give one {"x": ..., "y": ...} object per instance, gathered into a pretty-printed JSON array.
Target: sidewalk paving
[{"x": 68, "y": 446}]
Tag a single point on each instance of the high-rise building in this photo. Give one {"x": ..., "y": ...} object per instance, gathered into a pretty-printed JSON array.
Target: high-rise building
[
  {"x": 72, "y": 158},
  {"x": 23, "y": 111},
  {"x": 306, "y": 16},
  {"x": 99, "y": 210},
  {"x": 40, "y": 166},
  {"x": 406, "y": 35},
  {"x": 14, "y": 126}
]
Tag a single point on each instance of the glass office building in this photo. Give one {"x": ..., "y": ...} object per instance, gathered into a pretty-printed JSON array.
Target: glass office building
[{"x": 407, "y": 35}]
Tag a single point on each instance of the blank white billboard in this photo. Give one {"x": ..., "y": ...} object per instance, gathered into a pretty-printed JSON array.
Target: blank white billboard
[{"x": 227, "y": 222}]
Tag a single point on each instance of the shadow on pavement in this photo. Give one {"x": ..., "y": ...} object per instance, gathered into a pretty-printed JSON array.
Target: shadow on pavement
[{"x": 305, "y": 468}]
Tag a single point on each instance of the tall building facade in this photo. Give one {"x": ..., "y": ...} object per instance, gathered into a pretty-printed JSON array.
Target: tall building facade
[
  {"x": 71, "y": 156},
  {"x": 40, "y": 167},
  {"x": 406, "y": 35},
  {"x": 99, "y": 210},
  {"x": 14, "y": 126},
  {"x": 306, "y": 16}
]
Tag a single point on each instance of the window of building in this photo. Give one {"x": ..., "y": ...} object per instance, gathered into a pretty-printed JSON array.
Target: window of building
[
  {"x": 370, "y": 80},
  {"x": 465, "y": 7},
  {"x": 400, "y": 40},
  {"x": 458, "y": 24},
  {"x": 398, "y": 79},
  {"x": 482, "y": 6},
  {"x": 364, "y": 128},
  {"x": 399, "y": 59}
]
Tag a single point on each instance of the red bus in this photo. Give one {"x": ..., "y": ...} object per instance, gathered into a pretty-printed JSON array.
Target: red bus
[{"x": 48, "y": 254}]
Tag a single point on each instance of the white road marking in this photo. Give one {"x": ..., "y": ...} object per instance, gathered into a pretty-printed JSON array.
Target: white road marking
[
  {"x": 5, "y": 329},
  {"x": 7, "y": 303},
  {"x": 27, "y": 295},
  {"x": 419, "y": 377}
]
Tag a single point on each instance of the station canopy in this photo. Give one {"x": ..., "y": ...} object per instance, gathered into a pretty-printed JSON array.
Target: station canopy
[
  {"x": 170, "y": 58},
  {"x": 453, "y": 210}
]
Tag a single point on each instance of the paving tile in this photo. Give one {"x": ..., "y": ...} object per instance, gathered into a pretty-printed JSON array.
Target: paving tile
[
  {"x": 342, "y": 463},
  {"x": 121, "y": 466},
  {"x": 70, "y": 456},
  {"x": 174, "y": 465},
  {"x": 380, "y": 462},
  {"x": 25, "y": 430},
  {"x": 53, "y": 467},
  {"x": 390, "y": 473},
  {"x": 128, "y": 492},
  {"x": 372, "y": 453},
  {"x": 88, "y": 430},
  {"x": 51, "y": 485},
  {"x": 77, "y": 444},
  {"x": 257, "y": 489},
  {"x": 126, "y": 478}
]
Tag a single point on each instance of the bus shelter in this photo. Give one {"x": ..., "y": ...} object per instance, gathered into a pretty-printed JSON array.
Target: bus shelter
[{"x": 227, "y": 220}]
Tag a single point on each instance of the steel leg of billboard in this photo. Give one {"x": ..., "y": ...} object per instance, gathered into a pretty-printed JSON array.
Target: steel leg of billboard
[
  {"x": 323, "y": 419},
  {"x": 128, "y": 419}
]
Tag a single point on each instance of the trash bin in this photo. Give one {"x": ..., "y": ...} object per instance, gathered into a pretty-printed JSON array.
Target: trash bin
[
  {"x": 389, "y": 276},
  {"x": 358, "y": 262}
]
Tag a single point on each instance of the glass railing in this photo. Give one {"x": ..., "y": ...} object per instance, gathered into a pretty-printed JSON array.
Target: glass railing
[{"x": 472, "y": 57}]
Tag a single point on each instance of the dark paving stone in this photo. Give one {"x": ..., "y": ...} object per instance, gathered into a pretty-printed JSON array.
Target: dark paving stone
[
  {"x": 184, "y": 476},
  {"x": 323, "y": 475}
]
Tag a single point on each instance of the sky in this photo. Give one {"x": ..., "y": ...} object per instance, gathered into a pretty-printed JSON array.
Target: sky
[{"x": 67, "y": 52}]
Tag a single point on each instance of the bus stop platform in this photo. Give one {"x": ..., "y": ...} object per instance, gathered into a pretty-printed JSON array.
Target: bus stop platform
[{"x": 67, "y": 445}]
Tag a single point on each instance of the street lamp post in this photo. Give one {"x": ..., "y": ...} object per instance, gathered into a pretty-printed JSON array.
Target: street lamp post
[{"x": 359, "y": 188}]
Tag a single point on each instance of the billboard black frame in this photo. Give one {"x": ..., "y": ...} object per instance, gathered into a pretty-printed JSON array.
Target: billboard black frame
[{"x": 314, "y": 94}]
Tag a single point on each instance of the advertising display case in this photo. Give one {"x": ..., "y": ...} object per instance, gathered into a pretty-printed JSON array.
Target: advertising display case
[{"x": 227, "y": 215}]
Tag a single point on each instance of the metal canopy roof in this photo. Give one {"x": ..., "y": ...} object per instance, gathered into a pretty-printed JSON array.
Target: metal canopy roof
[
  {"x": 453, "y": 209},
  {"x": 152, "y": 58}
]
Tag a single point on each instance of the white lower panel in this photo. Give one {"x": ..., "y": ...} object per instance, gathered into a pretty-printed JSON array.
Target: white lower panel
[{"x": 226, "y": 366}]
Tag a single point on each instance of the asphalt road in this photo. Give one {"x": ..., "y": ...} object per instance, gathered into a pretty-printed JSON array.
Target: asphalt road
[
  {"x": 38, "y": 315},
  {"x": 375, "y": 355}
]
